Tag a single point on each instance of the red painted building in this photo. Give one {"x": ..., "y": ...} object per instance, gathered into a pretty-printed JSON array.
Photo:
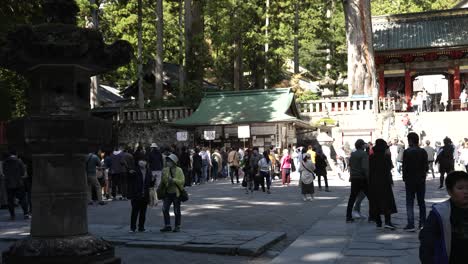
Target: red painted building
[{"x": 410, "y": 45}]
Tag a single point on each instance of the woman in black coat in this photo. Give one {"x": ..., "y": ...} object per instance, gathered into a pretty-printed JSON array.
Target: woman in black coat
[
  {"x": 140, "y": 183},
  {"x": 381, "y": 199},
  {"x": 321, "y": 168}
]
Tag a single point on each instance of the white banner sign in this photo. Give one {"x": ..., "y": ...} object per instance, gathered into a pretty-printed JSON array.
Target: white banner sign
[
  {"x": 243, "y": 131},
  {"x": 182, "y": 136},
  {"x": 209, "y": 135}
]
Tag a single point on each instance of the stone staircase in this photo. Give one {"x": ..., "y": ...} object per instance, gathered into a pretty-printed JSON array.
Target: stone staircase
[{"x": 436, "y": 125}]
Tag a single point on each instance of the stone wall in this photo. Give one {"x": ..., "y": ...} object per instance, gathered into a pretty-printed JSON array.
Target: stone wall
[{"x": 147, "y": 133}]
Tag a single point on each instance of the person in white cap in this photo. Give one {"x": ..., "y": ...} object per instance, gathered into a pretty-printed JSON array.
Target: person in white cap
[
  {"x": 155, "y": 160},
  {"x": 172, "y": 183}
]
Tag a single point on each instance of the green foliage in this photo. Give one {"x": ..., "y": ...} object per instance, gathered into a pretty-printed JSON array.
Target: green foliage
[
  {"x": 325, "y": 121},
  {"x": 307, "y": 96},
  {"x": 224, "y": 22}
]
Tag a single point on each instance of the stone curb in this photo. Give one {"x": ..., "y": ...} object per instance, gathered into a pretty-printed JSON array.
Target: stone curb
[{"x": 226, "y": 242}]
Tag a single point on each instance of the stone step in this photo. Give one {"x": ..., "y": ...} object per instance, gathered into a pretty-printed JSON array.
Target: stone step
[{"x": 231, "y": 242}]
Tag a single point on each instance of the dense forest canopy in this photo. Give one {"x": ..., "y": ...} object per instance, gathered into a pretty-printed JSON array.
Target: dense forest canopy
[{"x": 230, "y": 30}]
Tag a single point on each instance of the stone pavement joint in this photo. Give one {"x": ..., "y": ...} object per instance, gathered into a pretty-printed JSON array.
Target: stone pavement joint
[
  {"x": 231, "y": 242},
  {"x": 331, "y": 240}
]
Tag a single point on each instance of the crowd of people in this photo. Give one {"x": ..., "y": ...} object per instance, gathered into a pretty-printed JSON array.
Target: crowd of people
[
  {"x": 371, "y": 169},
  {"x": 148, "y": 175}
]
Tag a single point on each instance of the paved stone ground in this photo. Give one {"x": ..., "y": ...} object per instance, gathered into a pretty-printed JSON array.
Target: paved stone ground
[
  {"x": 212, "y": 207},
  {"x": 331, "y": 240},
  {"x": 316, "y": 231}
]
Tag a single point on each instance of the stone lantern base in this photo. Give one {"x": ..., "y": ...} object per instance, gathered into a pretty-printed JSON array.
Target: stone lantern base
[{"x": 71, "y": 250}]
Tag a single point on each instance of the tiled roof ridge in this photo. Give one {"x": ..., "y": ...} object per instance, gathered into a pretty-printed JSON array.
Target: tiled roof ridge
[
  {"x": 247, "y": 92},
  {"x": 420, "y": 16}
]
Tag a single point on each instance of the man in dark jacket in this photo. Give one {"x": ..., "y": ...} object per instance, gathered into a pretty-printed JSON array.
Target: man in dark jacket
[
  {"x": 184, "y": 162},
  {"x": 415, "y": 167},
  {"x": 155, "y": 160},
  {"x": 140, "y": 183},
  {"x": 359, "y": 173},
  {"x": 445, "y": 160},
  {"x": 15, "y": 172}
]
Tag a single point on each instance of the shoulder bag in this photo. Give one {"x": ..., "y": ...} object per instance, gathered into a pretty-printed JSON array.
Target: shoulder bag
[{"x": 183, "y": 197}]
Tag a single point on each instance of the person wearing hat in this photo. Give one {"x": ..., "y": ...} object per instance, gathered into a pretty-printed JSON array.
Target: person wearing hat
[
  {"x": 172, "y": 183},
  {"x": 139, "y": 192}
]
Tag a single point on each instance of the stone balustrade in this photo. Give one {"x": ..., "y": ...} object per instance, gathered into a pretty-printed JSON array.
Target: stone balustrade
[
  {"x": 336, "y": 106},
  {"x": 159, "y": 115}
]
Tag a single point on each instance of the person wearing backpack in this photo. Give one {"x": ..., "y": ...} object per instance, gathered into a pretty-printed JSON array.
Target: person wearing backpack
[
  {"x": 307, "y": 177},
  {"x": 445, "y": 160},
  {"x": 254, "y": 159}
]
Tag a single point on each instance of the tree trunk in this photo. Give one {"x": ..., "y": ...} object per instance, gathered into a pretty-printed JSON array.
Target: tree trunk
[
  {"x": 238, "y": 63},
  {"x": 141, "y": 96},
  {"x": 181, "y": 50},
  {"x": 361, "y": 65},
  {"x": 158, "y": 71},
  {"x": 197, "y": 54},
  {"x": 188, "y": 39},
  {"x": 94, "y": 96},
  {"x": 296, "y": 37}
]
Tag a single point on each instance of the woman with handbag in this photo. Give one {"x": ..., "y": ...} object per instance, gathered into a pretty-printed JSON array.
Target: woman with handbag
[
  {"x": 306, "y": 171},
  {"x": 140, "y": 184},
  {"x": 172, "y": 190}
]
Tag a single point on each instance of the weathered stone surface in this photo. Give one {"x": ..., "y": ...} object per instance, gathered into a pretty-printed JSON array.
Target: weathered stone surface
[{"x": 233, "y": 242}]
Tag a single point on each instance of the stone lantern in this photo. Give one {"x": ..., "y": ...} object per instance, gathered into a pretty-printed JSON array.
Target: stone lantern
[{"x": 58, "y": 59}]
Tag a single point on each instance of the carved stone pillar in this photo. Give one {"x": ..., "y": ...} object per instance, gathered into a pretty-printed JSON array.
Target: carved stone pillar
[{"x": 58, "y": 59}]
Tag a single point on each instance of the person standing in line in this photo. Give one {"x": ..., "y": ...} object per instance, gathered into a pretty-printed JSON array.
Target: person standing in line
[
  {"x": 255, "y": 157},
  {"x": 265, "y": 168},
  {"x": 445, "y": 159},
  {"x": 321, "y": 168},
  {"x": 15, "y": 172},
  {"x": 140, "y": 183},
  {"x": 197, "y": 166},
  {"x": 185, "y": 165},
  {"x": 205, "y": 164},
  {"x": 248, "y": 172},
  {"x": 286, "y": 168},
  {"x": 444, "y": 238},
  {"x": 359, "y": 173},
  {"x": 173, "y": 183},
  {"x": 381, "y": 199},
  {"x": 307, "y": 177},
  {"x": 116, "y": 170},
  {"x": 224, "y": 158},
  {"x": 415, "y": 167},
  {"x": 129, "y": 164},
  {"x": 234, "y": 162},
  {"x": 217, "y": 161},
  {"x": 92, "y": 165},
  {"x": 430, "y": 156}
]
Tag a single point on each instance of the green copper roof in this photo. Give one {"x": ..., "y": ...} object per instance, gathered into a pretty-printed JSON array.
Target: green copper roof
[
  {"x": 247, "y": 106},
  {"x": 446, "y": 28}
]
